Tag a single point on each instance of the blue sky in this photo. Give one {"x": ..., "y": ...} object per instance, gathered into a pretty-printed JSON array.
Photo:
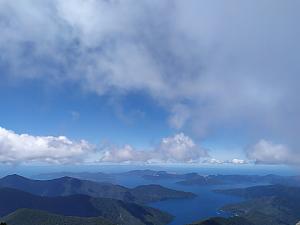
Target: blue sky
[
  {"x": 34, "y": 108},
  {"x": 149, "y": 82}
]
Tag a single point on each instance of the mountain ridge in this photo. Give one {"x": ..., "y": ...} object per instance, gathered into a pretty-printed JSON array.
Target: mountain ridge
[
  {"x": 116, "y": 211},
  {"x": 69, "y": 186}
]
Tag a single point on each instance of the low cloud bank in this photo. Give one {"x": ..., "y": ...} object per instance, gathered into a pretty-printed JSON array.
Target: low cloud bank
[
  {"x": 24, "y": 148},
  {"x": 232, "y": 161},
  {"x": 19, "y": 148},
  {"x": 176, "y": 149},
  {"x": 179, "y": 148}
]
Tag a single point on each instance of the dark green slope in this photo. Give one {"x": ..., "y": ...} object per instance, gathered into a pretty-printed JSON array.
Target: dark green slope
[
  {"x": 264, "y": 191},
  {"x": 70, "y": 186},
  {"x": 153, "y": 192},
  {"x": 117, "y": 211},
  {"x": 37, "y": 217},
  {"x": 271, "y": 204},
  {"x": 224, "y": 221},
  {"x": 268, "y": 210}
]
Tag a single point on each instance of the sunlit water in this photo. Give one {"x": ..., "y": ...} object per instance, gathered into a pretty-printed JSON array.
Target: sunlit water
[{"x": 206, "y": 204}]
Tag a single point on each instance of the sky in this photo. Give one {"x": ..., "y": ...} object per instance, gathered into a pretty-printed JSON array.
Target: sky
[{"x": 149, "y": 82}]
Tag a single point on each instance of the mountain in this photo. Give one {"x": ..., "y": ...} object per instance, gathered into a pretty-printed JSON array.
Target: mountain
[
  {"x": 264, "y": 191},
  {"x": 239, "y": 179},
  {"x": 224, "y": 221},
  {"x": 184, "y": 179},
  {"x": 153, "y": 193},
  {"x": 116, "y": 211},
  {"x": 98, "y": 176},
  {"x": 162, "y": 175},
  {"x": 69, "y": 186},
  {"x": 38, "y": 217},
  {"x": 139, "y": 173},
  {"x": 270, "y": 204},
  {"x": 202, "y": 180},
  {"x": 152, "y": 174}
]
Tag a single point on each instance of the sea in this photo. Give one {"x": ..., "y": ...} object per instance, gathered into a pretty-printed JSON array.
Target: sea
[{"x": 206, "y": 204}]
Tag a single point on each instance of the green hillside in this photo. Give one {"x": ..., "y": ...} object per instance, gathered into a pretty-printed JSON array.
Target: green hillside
[
  {"x": 224, "y": 221},
  {"x": 270, "y": 204},
  {"x": 37, "y": 217},
  {"x": 119, "y": 212}
]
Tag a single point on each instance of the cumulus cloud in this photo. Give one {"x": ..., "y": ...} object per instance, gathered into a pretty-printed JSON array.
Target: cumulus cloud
[
  {"x": 180, "y": 148},
  {"x": 232, "y": 161},
  {"x": 176, "y": 149},
  {"x": 212, "y": 65},
  {"x": 266, "y": 152},
  {"x": 238, "y": 161},
  {"x": 124, "y": 154},
  {"x": 25, "y": 148}
]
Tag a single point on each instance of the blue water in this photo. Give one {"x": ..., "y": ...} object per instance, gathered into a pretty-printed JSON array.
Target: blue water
[{"x": 206, "y": 204}]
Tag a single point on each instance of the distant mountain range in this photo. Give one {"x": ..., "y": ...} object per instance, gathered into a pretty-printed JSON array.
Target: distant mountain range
[
  {"x": 116, "y": 211},
  {"x": 69, "y": 186},
  {"x": 239, "y": 179},
  {"x": 97, "y": 176},
  {"x": 184, "y": 179}
]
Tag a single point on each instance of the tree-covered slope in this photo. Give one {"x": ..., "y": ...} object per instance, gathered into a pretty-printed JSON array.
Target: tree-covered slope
[
  {"x": 224, "y": 221},
  {"x": 271, "y": 204},
  {"x": 116, "y": 211},
  {"x": 38, "y": 217}
]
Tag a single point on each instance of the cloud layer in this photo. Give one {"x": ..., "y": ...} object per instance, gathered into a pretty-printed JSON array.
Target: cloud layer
[
  {"x": 176, "y": 149},
  {"x": 212, "y": 65},
  {"x": 24, "y": 148},
  {"x": 218, "y": 161}
]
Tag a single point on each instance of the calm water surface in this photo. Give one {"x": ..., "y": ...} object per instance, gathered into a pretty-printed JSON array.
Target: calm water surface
[{"x": 206, "y": 204}]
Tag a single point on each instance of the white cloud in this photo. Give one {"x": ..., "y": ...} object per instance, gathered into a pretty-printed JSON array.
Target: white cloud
[
  {"x": 176, "y": 149},
  {"x": 180, "y": 148},
  {"x": 228, "y": 68},
  {"x": 25, "y": 148},
  {"x": 124, "y": 154},
  {"x": 238, "y": 161},
  {"x": 266, "y": 152},
  {"x": 213, "y": 161},
  {"x": 232, "y": 161}
]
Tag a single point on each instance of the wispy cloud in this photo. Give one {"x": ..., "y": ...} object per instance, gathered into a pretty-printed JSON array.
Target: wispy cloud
[
  {"x": 212, "y": 66},
  {"x": 266, "y": 152}
]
